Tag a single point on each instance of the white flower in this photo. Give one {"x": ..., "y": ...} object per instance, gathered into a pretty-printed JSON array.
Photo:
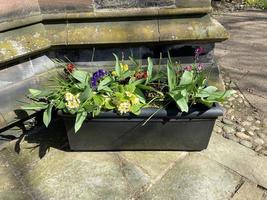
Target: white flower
[{"x": 124, "y": 107}]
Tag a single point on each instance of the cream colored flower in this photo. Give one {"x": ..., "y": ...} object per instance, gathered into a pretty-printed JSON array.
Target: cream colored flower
[
  {"x": 124, "y": 107},
  {"x": 72, "y": 105},
  {"x": 129, "y": 94},
  {"x": 73, "y": 101},
  {"x": 69, "y": 96}
]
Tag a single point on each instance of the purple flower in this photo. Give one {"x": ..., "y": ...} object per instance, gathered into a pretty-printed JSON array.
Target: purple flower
[
  {"x": 199, "y": 51},
  {"x": 97, "y": 76},
  {"x": 188, "y": 68},
  {"x": 200, "y": 67}
]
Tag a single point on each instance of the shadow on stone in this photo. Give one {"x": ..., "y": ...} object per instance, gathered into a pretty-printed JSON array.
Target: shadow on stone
[{"x": 45, "y": 138}]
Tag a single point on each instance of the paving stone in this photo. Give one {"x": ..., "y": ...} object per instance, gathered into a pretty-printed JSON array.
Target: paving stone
[
  {"x": 14, "y": 195},
  {"x": 195, "y": 177},
  {"x": 10, "y": 187},
  {"x": 248, "y": 191},
  {"x": 238, "y": 158},
  {"x": 153, "y": 163},
  {"x": 82, "y": 175},
  {"x": 246, "y": 143}
]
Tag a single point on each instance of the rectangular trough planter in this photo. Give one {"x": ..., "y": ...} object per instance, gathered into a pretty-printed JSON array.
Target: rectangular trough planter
[{"x": 169, "y": 129}]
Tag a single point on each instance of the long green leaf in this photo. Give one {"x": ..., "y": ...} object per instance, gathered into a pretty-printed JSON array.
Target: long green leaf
[
  {"x": 117, "y": 65},
  {"x": 80, "y": 117},
  {"x": 172, "y": 82},
  {"x": 35, "y": 92},
  {"x": 104, "y": 82},
  {"x": 149, "y": 70},
  {"x": 47, "y": 115},
  {"x": 35, "y": 106}
]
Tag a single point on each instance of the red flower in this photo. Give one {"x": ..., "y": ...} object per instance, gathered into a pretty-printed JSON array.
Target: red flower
[
  {"x": 70, "y": 68},
  {"x": 141, "y": 75}
]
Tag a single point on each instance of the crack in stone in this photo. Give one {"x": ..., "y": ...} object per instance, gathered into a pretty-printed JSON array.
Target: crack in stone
[
  {"x": 122, "y": 164},
  {"x": 147, "y": 187},
  {"x": 238, "y": 186}
]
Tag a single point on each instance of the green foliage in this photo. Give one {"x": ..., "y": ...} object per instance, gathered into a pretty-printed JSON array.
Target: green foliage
[
  {"x": 123, "y": 90},
  {"x": 256, "y": 3}
]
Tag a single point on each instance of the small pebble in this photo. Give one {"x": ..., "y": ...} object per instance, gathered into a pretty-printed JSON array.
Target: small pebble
[
  {"x": 246, "y": 143},
  {"x": 235, "y": 95},
  {"x": 243, "y": 136},
  {"x": 254, "y": 128},
  {"x": 240, "y": 100},
  {"x": 246, "y": 123},
  {"x": 232, "y": 137},
  {"x": 259, "y": 141},
  {"x": 258, "y": 122},
  {"x": 249, "y": 118},
  {"x": 264, "y": 152},
  {"x": 231, "y": 99},
  {"x": 227, "y": 121},
  {"x": 230, "y": 111},
  {"x": 218, "y": 129},
  {"x": 251, "y": 133},
  {"x": 240, "y": 129},
  {"x": 258, "y": 148},
  {"x": 228, "y": 129},
  {"x": 227, "y": 106}
]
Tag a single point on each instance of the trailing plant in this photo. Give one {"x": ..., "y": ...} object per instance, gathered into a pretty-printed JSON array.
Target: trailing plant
[{"x": 125, "y": 90}]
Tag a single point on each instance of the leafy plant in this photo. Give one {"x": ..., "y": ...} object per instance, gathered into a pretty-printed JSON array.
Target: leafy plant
[{"x": 125, "y": 90}]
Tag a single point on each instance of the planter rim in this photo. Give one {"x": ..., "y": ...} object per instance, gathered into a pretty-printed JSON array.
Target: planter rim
[{"x": 196, "y": 112}]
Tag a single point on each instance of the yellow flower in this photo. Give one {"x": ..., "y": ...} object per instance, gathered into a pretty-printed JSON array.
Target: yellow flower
[
  {"x": 113, "y": 73},
  {"x": 128, "y": 94},
  {"x": 124, "y": 107},
  {"x": 124, "y": 67},
  {"x": 69, "y": 96},
  {"x": 135, "y": 100}
]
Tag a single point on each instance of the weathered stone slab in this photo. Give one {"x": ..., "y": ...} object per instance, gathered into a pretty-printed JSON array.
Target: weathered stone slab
[
  {"x": 15, "y": 9},
  {"x": 195, "y": 177},
  {"x": 28, "y": 40},
  {"x": 66, "y": 175},
  {"x": 244, "y": 161},
  {"x": 191, "y": 29},
  {"x": 248, "y": 191},
  {"x": 62, "y": 6},
  {"x": 153, "y": 163},
  {"x": 57, "y": 33},
  {"x": 10, "y": 187},
  {"x": 192, "y": 3},
  {"x": 113, "y": 32}
]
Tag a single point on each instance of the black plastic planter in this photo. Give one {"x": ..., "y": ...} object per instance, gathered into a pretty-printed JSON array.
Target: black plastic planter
[{"x": 169, "y": 129}]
